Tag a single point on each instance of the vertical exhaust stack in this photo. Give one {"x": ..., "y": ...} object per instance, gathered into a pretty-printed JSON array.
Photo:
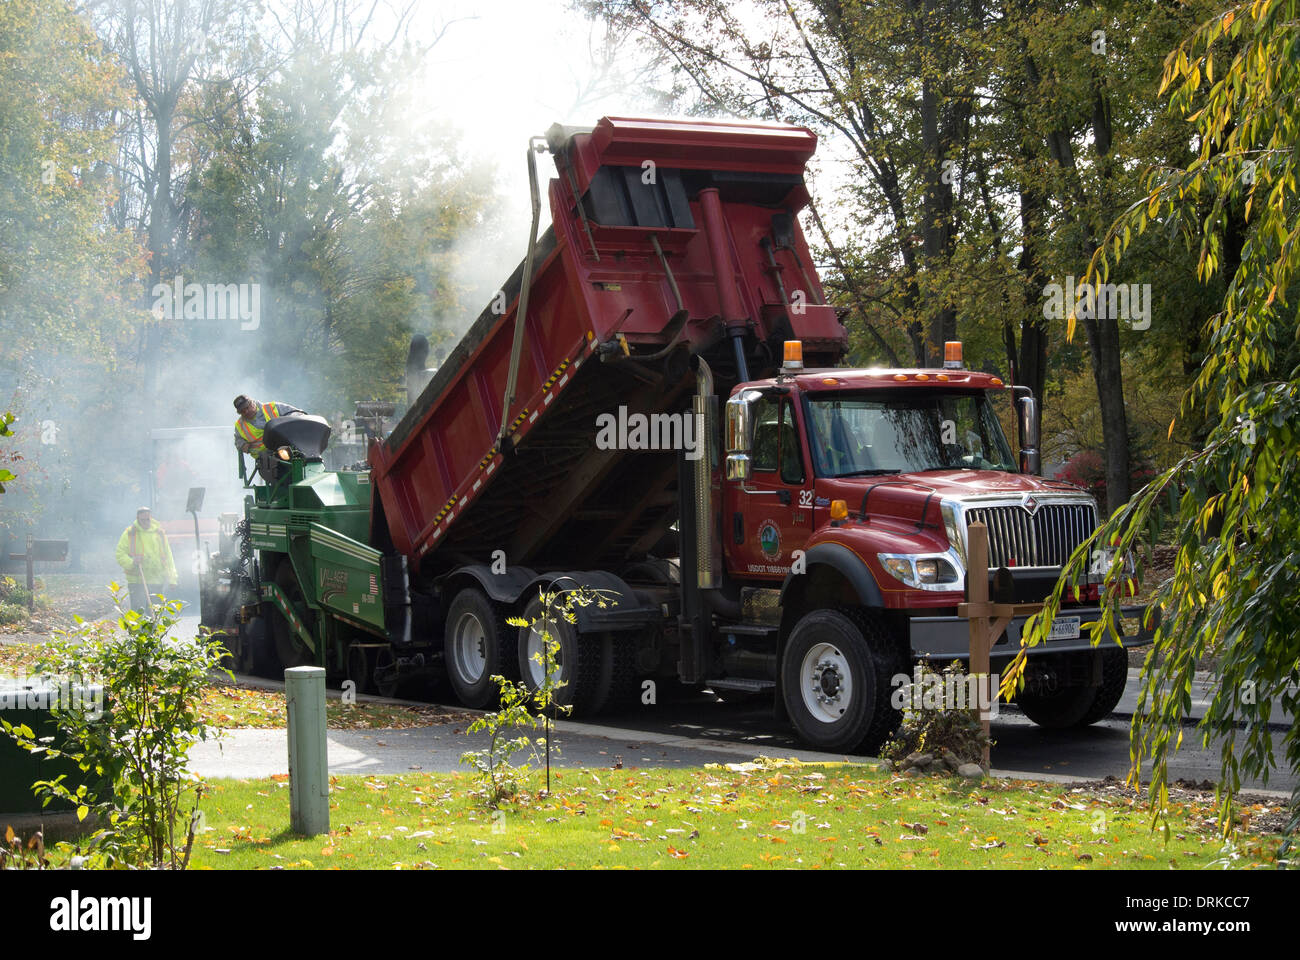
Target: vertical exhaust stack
[{"x": 704, "y": 409}]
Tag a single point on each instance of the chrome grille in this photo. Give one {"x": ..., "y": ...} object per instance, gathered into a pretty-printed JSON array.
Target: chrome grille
[{"x": 1045, "y": 539}]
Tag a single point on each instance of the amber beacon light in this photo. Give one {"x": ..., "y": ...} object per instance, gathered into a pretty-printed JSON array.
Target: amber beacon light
[
  {"x": 952, "y": 355},
  {"x": 793, "y": 356}
]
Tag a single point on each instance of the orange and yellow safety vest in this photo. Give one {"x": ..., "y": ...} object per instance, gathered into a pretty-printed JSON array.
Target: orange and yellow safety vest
[{"x": 251, "y": 431}]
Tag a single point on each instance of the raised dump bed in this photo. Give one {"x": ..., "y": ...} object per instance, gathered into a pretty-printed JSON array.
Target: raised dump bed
[{"x": 642, "y": 269}]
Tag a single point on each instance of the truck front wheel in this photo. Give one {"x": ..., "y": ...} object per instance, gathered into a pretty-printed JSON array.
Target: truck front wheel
[
  {"x": 835, "y": 679},
  {"x": 478, "y": 645}
]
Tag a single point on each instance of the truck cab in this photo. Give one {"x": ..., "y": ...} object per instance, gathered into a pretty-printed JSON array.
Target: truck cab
[{"x": 850, "y": 491}]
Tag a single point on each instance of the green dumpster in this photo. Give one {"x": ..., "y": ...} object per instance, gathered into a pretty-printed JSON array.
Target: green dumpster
[{"x": 29, "y": 701}]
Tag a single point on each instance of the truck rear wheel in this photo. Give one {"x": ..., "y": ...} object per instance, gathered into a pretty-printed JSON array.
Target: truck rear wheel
[
  {"x": 1114, "y": 678},
  {"x": 1056, "y": 709},
  {"x": 360, "y": 669},
  {"x": 477, "y": 645},
  {"x": 582, "y": 682},
  {"x": 619, "y": 680},
  {"x": 835, "y": 677}
]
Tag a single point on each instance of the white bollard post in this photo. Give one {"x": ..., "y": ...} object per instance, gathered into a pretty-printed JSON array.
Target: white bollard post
[{"x": 309, "y": 789}]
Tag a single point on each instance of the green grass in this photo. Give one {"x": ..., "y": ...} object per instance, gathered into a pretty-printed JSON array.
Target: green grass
[{"x": 851, "y": 816}]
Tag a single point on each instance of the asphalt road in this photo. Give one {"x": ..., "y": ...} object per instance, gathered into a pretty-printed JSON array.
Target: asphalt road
[
  {"x": 1089, "y": 753},
  {"x": 697, "y": 729},
  {"x": 694, "y": 729}
]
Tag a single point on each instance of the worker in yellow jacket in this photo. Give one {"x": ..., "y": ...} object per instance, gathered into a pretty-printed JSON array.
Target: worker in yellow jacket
[{"x": 145, "y": 557}]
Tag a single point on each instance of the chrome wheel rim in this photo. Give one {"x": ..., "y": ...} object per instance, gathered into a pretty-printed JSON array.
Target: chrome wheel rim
[
  {"x": 469, "y": 649},
  {"x": 825, "y": 682}
]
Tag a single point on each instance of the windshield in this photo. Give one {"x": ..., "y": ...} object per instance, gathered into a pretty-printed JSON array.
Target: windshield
[{"x": 905, "y": 431}]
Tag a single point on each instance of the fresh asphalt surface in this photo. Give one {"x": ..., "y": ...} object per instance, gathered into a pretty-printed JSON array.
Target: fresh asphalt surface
[
  {"x": 691, "y": 730},
  {"x": 696, "y": 729}
]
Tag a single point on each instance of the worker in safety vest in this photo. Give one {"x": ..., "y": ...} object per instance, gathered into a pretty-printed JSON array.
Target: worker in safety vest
[
  {"x": 145, "y": 557},
  {"x": 253, "y": 417}
]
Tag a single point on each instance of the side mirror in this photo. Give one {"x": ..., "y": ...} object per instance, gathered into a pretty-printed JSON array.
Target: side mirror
[
  {"x": 1030, "y": 459},
  {"x": 740, "y": 434}
]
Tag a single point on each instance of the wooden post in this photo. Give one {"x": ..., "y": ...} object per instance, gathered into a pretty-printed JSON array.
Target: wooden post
[
  {"x": 977, "y": 595},
  {"x": 987, "y": 620}
]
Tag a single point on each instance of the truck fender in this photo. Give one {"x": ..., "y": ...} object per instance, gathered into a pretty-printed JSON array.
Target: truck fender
[
  {"x": 504, "y": 587},
  {"x": 517, "y": 582},
  {"x": 845, "y": 562}
]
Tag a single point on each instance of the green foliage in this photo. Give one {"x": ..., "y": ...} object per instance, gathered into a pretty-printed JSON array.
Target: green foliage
[
  {"x": 946, "y": 729},
  {"x": 523, "y": 708},
  {"x": 1232, "y": 507},
  {"x": 137, "y": 739},
  {"x": 499, "y": 777},
  {"x": 16, "y": 601},
  {"x": 6, "y": 430}
]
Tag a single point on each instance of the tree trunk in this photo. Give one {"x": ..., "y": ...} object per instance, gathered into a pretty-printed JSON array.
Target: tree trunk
[{"x": 1103, "y": 345}]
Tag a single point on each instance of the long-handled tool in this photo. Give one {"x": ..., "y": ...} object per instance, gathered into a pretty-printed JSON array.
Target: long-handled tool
[{"x": 148, "y": 598}]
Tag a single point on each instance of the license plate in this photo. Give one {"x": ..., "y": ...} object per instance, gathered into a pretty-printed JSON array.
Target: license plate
[{"x": 1065, "y": 628}]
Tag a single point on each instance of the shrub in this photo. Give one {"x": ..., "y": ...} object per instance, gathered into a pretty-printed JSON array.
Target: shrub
[
  {"x": 949, "y": 730},
  {"x": 139, "y": 742}
]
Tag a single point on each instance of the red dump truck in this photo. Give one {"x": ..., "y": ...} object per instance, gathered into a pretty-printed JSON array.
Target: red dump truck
[{"x": 808, "y": 543}]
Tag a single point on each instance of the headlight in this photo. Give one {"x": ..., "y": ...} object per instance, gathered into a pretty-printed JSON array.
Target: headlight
[
  {"x": 935, "y": 570},
  {"x": 900, "y": 567},
  {"x": 924, "y": 572}
]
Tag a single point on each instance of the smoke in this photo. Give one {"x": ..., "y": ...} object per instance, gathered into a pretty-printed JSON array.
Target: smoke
[{"x": 100, "y": 441}]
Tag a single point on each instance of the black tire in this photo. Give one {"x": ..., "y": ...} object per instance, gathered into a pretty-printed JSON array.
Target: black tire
[
  {"x": 1114, "y": 678},
  {"x": 842, "y": 642},
  {"x": 478, "y": 644},
  {"x": 388, "y": 683},
  {"x": 361, "y": 669},
  {"x": 620, "y": 681},
  {"x": 584, "y": 679},
  {"x": 289, "y": 650},
  {"x": 257, "y": 649},
  {"x": 1057, "y": 709}
]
